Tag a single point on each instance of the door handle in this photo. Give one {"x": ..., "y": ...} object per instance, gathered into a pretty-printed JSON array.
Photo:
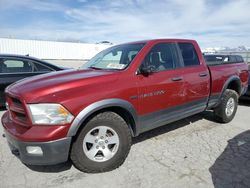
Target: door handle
[
  {"x": 177, "y": 78},
  {"x": 203, "y": 74}
]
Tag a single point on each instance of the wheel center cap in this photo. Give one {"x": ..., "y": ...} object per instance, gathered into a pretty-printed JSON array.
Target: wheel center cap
[{"x": 101, "y": 143}]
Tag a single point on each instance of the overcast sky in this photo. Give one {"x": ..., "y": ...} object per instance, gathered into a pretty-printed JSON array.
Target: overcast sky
[{"x": 211, "y": 22}]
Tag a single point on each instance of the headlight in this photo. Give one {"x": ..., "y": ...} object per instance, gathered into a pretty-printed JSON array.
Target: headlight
[{"x": 52, "y": 114}]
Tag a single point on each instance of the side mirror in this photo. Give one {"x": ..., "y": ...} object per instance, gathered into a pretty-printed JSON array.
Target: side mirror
[{"x": 146, "y": 70}]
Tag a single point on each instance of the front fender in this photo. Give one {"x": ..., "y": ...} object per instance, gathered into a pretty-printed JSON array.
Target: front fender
[{"x": 92, "y": 108}]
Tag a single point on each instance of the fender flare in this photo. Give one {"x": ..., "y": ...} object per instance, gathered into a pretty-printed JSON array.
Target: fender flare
[
  {"x": 94, "y": 107},
  {"x": 229, "y": 80}
]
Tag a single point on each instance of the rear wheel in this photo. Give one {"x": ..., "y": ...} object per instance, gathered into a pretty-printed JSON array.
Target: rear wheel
[
  {"x": 226, "y": 110},
  {"x": 102, "y": 145}
]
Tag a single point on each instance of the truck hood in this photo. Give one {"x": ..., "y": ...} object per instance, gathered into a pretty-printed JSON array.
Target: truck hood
[{"x": 52, "y": 83}]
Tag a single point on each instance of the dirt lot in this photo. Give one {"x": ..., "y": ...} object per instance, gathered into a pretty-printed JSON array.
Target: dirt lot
[{"x": 194, "y": 152}]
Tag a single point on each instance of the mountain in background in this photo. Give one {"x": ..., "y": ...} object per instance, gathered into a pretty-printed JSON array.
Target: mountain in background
[{"x": 227, "y": 49}]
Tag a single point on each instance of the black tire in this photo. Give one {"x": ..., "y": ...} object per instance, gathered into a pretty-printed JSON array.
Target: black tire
[
  {"x": 220, "y": 111},
  {"x": 107, "y": 119}
]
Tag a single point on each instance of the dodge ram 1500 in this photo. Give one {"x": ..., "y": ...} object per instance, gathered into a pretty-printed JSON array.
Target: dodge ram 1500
[{"x": 90, "y": 115}]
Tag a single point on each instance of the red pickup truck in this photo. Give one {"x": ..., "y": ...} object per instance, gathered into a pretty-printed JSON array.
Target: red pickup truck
[{"x": 91, "y": 114}]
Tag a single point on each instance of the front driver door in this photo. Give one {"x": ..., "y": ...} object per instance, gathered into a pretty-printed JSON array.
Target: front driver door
[{"x": 161, "y": 91}]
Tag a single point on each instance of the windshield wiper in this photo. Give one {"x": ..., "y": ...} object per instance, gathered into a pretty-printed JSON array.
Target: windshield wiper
[{"x": 95, "y": 68}]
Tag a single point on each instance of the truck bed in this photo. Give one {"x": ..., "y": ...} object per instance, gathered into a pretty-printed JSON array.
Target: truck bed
[{"x": 222, "y": 74}]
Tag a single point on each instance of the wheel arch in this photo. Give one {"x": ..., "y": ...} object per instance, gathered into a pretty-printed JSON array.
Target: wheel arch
[
  {"x": 233, "y": 83},
  {"x": 119, "y": 106}
]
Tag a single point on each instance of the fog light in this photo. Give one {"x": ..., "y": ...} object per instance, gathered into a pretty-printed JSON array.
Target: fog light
[{"x": 34, "y": 150}]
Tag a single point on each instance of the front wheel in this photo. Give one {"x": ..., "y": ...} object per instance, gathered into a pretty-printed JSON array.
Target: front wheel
[
  {"x": 102, "y": 145},
  {"x": 227, "y": 108}
]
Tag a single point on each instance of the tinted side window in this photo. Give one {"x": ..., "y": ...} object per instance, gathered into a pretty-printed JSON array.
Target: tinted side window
[
  {"x": 16, "y": 66},
  {"x": 239, "y": 59},
  {"x": 232, "y": 59},
  {"x": 41, "y": 68},
  {"x": 213, "y": 59},
  {"x": 161, "y": 57},
  {"x": 189, "y": 55}
]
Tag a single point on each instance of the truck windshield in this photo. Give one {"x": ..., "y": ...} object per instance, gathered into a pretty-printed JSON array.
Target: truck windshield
[{"x": 115, "y": 58}]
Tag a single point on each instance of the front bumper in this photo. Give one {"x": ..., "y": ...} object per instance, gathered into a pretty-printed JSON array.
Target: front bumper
[
  {"x": 53, "y": 152},
  {"x": 51, "y": 140}
]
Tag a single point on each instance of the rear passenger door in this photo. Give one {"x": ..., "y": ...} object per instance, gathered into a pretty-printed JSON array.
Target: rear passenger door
[{"x": 195, "y": 76}]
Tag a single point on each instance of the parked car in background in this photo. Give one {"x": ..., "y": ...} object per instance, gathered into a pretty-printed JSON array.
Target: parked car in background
[
  {"x": 17, "y": 67},
  {"x": 222, "y": 59}
]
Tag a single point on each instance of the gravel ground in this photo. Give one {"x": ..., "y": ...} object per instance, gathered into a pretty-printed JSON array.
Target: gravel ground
[{"x": 194, "y": 152}]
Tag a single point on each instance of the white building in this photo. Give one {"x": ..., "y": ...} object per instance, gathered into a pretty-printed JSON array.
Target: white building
[{"x": 63, "y": 53}]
